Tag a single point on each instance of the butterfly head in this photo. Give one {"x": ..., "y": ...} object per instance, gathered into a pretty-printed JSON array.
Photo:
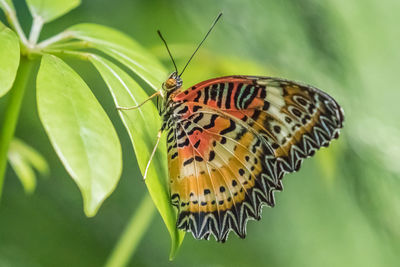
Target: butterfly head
[{"x": 173, "y": 83}]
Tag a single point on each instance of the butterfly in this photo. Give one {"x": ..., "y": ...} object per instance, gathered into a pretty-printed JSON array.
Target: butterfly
[{"x": 230, "y": 141}]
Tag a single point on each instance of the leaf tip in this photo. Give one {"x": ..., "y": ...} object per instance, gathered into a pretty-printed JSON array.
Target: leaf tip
[
  {"x": 176, "y": 244},
  {"x": 90, "y": 209}
]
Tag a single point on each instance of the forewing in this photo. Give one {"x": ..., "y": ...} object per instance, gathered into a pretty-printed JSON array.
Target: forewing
[{"x": 294, "y": 119}]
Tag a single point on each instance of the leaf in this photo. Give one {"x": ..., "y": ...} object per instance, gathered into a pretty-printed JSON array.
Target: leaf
[
  {"x": 122, "y": 48},
  {"x": 79, "y": 130},
  {"x": 30, "y": 155},
  {"x": 23, "y": 159},
  {"x": 49, "y": 10},
  {"x": 142, "y": 125},
  {"x": 9, "y": 58},
  {"x": 24, "y": 172}
]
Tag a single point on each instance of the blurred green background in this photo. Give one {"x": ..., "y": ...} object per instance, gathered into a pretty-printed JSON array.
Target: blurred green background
[{"x": 341, "y": 209}]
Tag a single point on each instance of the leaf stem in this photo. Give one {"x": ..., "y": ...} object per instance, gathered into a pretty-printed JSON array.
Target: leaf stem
[
  {"x": 11, "y": 113},
  {"x": 35, "y": 30},
  {"x": 132, "y": 234},
  {"x": 62, "y": 36},
  {"x": 76, "y": 54},
  {"x": 70, "y": 45},
  {"x": 11, "y": 17}
]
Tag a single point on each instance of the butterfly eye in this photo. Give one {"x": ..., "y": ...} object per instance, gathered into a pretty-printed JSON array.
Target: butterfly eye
[{"x": 170, "y": 84}]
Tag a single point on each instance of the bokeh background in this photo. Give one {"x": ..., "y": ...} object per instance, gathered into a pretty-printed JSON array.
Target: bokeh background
[{"x": 341, "y": 209}]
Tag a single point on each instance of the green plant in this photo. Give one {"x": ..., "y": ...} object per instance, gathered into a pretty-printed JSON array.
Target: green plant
[{"x": 76, "y": 124}]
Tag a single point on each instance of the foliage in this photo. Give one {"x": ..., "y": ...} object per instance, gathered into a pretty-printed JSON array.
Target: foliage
[
  {"x": 78, "y": 128},
  {"x": 9, "y": 57},
  {"x": 24, "y": 159}
]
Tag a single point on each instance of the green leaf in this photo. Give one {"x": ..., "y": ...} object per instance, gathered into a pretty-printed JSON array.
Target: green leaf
[
  {"x": 142, "y": 125},
  {"x": 9, "y": 58},
  {"x": 23, "y": 159},
  {"x": 49, "y": 10},
  {"x": 79, "y": 130},
  {"x": 124, "y": 49},
  {"x": 30, "y": 155},
  {"x": 24, "y": 172}
]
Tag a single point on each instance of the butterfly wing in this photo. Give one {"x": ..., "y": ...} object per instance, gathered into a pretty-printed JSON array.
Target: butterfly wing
[{"x": 231, "y": 140}]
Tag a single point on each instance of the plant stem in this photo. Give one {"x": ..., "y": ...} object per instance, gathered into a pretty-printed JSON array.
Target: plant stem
[
  {"x": 35, "y": 30},
  {"x": 62, "y": 36},
  {"x": 132, "y": 234},
  {"x": 12, "y": 112},
  {"x": 71, "y": 45},
  {"x": 12, "y": 19},
  {"x": 75, "y": 54}
]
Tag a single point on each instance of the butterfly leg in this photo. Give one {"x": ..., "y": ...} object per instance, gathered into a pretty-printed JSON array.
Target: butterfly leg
[
  {"x": 141, "y": 104},
  {"x": 152, "y": 154}
]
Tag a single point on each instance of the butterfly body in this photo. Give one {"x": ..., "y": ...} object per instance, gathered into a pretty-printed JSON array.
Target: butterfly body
[{"x": 230, "y": 140}]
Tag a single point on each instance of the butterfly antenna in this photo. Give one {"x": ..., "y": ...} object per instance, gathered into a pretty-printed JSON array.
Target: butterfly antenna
[
  {"x": 202, "y": 41},
  {"x": 169, "y": 52}
]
